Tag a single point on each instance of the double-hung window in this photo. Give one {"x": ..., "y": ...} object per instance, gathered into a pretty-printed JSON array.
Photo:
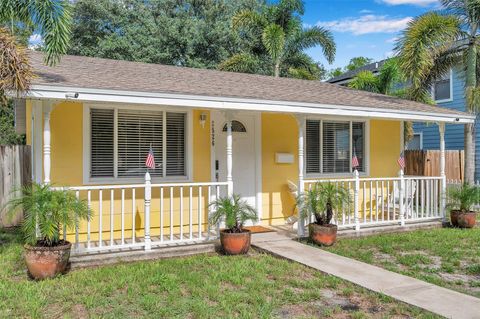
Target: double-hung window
[
  {"x": 331, "y": 145},
  {"x": 120, "y": 140},
  {"x": 442, "y": 88}
]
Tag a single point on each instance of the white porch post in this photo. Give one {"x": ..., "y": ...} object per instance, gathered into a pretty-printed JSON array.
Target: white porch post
[
  {"x": 301, "y": 128},
  {"x": 47, "y": 110},
  {"x": 443, "y": 193},
  {"x": 229, "y": 154},
  {"x": 356, "y": 201},
  {"x": 148, "y": 198},
  {"x": 402, "y": 198}
]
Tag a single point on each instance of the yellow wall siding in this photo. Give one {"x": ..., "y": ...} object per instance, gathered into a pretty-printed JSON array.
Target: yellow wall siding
[
  {"x": 279, "y": 135},
  {"x": 66, "y": 125},
  {"x": 385, "y": 147}
]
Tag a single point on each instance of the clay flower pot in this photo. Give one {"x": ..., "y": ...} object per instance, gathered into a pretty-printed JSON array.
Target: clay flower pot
[
  {"x": 466, "y": 219},
  {"x": 325, "y": 235},
  {"x": 235, "y": 243},
  {"x": 47, "y": 262}
]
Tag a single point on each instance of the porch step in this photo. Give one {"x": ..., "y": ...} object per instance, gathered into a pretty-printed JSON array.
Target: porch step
[
  {"x": 117, "y": 257},
  {"x": 385, "y": 229}
]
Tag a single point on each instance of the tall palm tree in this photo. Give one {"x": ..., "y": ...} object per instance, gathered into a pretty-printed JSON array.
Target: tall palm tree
[
  {"x": 436, "y": 41},
  {"x": 50, "y": 18},
  {"x": 278, "y": 41}
]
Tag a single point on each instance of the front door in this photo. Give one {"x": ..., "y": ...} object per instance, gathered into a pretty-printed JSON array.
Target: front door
[{"x": 243, "y": 135}]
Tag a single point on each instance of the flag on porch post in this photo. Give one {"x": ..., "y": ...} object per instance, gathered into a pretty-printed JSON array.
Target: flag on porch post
[
  {"x": 355, "y": 163},
  {"x": 150, "y": 161},
  {"x": 401, "y": 161}
]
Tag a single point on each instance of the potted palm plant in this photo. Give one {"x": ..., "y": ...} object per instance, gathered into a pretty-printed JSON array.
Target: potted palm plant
[
  {"x": 461, "y": 200},
  {"x": 45, "y": 213},
  {"x": 234, "y": 212},
  {"x": 320, "y": 201}
]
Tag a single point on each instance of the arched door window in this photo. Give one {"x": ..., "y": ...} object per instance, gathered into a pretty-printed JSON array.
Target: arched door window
[{"x": 237, "y": 127}]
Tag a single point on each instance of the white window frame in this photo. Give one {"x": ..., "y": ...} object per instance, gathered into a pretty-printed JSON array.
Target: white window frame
[
  {"x": 87, "y": 180},
  {"x": 338, "y": 175},
  {"x": 451, "y": 89},
  {"x": 421, "y": 139}
]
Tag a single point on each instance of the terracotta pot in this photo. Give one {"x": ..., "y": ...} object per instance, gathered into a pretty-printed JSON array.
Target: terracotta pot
[
  {"x": 323, "y": 234},
  {"x": 454, "y": 217},
  {"x": 467, "y": 219},
  {"x": 47, "y": 262},
  {"x": 235, "y": 243}
]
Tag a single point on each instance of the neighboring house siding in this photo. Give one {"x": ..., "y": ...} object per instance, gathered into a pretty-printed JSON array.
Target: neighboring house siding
[{"x": 454, "y": 134}]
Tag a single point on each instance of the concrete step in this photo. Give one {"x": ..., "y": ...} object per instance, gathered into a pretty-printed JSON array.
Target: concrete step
[{"x": 117, "y": 257}]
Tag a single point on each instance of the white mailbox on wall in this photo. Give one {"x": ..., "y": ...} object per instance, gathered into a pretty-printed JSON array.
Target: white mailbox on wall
[{"x": 284, "y": 158}]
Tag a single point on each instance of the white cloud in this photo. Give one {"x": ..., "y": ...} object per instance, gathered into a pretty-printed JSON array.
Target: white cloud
[
  {"x": 392, "y": 40},
  {"x": 414, "y": 2},
  {"x": 365, "y": 11},
  {"x": 35, "y": 38},
  {"x": 365, "y": 24}
]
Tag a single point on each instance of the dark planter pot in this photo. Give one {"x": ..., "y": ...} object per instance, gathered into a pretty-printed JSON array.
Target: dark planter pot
[
  {"x": 325, "y": 235},
  {"x": 463, "y": 219},
  {"x": 235, "y": 243},
  {"x": 47, "y": 262}
]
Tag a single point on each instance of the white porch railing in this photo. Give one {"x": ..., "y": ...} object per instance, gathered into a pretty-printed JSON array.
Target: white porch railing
[
  {"x": 383, "y": 201},
  {"x": 145, "y": 215}
]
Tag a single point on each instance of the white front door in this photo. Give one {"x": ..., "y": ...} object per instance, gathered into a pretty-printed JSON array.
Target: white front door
[{"x": 244, "y": 157}]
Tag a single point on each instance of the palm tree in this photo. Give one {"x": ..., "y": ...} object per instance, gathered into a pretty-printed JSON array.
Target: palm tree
[
  {"x": 278, "y": 42},
  {"x": 385, "y": 82},
  {"x": 433, "y": 43},
  {"x": 50, "y": 18}
]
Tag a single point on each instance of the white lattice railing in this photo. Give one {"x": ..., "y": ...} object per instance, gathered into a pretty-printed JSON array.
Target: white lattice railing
[
  {"x": 396, "y": 200},
  {"x": 144, "y": 215}
]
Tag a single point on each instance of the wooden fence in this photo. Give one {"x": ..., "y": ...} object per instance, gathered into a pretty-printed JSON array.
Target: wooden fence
[
  {"x": 15, "y": 171},
  {"x": 427, "y": 163}
]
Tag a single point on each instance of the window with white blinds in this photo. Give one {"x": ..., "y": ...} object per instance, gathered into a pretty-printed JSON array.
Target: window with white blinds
[
  {"x": 121, "y": 139},
  {"x": 330, "y": 146}
]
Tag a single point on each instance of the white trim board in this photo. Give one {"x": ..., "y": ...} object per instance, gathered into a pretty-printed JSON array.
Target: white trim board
[{"x": 225, "y": 103}]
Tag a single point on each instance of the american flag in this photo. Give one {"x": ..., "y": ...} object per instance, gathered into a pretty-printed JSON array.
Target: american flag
[
  {"x": 355, "y": 163},
  {"x": 401, "y": 161},
  {"x": 150, "y": 161}
]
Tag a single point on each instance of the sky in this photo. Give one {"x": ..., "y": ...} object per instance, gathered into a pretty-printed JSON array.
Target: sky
[{"x": 362, "y": 27}]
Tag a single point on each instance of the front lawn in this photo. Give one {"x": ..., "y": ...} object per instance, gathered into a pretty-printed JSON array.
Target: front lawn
[
  {"x": 446, "y": 257},
  {"x": 204, "y": 286}
]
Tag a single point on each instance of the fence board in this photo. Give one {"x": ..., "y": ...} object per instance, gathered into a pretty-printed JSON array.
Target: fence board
[
  {"x": 15, "y": 171},
  {"x": 427, "y": 163}
]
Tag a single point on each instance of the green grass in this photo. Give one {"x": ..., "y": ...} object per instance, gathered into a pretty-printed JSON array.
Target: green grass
[
  {"x": 204, "y": 286},
  {"x": 447, "y": 257}
]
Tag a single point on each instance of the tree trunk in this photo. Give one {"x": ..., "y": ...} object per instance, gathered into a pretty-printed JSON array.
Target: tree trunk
[
  {"x": 277, "y": 69},
  {"x": 469, "y": 138}
]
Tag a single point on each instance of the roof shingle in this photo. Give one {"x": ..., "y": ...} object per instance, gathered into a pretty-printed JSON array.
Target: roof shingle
[{"x": 97, "y": 73}]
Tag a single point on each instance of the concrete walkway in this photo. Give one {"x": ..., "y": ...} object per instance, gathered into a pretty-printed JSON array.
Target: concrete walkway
[{"x": 442, "y": 301}]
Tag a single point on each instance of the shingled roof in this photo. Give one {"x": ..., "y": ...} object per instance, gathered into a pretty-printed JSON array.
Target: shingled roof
[{"x": 97, "y": 73}]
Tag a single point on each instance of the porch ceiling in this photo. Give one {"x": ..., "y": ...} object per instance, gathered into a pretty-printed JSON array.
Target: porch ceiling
[{"x": 102, "y": 80}]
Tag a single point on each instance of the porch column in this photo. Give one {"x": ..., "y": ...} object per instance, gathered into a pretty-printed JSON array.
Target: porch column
[
  {"x": 301, "y": 129},
  {"x": 443, "y": 193},
  {"x": 47, "y": 110},
  {"x": 229, "y": 154}
]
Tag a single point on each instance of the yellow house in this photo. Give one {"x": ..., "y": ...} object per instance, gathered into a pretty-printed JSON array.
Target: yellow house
[{"x": 91, "y": 123}]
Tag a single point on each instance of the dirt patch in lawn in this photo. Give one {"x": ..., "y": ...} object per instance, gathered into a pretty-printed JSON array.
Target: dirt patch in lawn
[{"x": 338, "y": 306}]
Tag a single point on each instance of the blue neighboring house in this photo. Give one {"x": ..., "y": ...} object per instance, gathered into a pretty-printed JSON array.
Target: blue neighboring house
[{"x": 448, "y": 92}]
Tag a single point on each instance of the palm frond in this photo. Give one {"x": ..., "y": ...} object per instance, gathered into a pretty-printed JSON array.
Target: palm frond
[
  {"x": 273, "y": 39},
  {"x": 233, "y": 211},
  {"x": 241, "y": 62},
  {"x": 425, "y": 39},
  {"x": 312, "y": 37},
  {"x": 389, "y": 75},
  {"x": 365, "y": 81},
  {"x": 248, "y": 19},
  {"x": 16, "y": 74}
]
